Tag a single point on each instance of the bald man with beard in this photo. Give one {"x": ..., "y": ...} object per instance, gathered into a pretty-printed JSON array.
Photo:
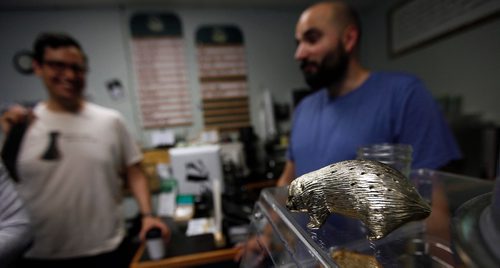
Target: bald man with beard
[{"x": 353, "y": 106}]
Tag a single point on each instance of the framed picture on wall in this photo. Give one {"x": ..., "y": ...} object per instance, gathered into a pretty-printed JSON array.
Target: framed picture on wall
[{"x": 414, "y": 23}]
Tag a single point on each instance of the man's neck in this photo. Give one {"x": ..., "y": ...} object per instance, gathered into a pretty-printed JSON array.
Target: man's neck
[
  {"x": 354, "y": 77},
  {"x": 66, "y": 107}
]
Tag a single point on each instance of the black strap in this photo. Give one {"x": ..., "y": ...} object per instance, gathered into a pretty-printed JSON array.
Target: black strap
[{"x": 11, "y": 146}]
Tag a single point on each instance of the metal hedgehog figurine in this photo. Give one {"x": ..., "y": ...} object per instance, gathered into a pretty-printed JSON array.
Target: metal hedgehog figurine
[{"x": 375, "y": 193}]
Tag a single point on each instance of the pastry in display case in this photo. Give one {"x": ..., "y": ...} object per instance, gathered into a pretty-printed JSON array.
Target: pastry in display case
[{"x": 281, "y": 238}]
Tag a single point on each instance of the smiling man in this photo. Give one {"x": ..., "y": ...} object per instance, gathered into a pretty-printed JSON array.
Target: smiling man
[
  {"x": 353, "y": 106},
  {"x": 62, "y": 66},
  {"x": 72, "y": 162}
]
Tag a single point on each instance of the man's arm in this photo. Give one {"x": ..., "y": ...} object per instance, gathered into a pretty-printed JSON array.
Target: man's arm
[
  {"x": 15, "y": 231},
  {"x": 138, "y": 185},
  {"x": 287, "y": 175},
  {"x": 252, "y": 245},
  {"x": 420, "y": 122}
]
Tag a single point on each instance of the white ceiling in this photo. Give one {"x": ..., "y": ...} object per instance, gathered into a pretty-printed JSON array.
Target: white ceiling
[{"x": 21, "y": 4}]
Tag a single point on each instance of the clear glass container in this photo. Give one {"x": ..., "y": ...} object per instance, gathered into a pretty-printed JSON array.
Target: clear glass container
[
  {"x": 281, "y": 238},
  {"x": 398, "y": 156}
]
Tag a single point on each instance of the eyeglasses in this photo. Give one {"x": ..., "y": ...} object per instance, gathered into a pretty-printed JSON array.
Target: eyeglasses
[{"x": 60, "y": 66}]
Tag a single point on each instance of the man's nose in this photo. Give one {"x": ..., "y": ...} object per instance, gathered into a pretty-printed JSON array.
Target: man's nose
[
  {"x": 70, "y": 73},
  {"x": 301, "y": 52}
]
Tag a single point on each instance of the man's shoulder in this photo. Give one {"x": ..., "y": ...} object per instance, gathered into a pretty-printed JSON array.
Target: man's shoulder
[
  {"x": 396, "y": 77},
  {"x": 101, "y": 110},
  {"x": 397, "y": 83}
]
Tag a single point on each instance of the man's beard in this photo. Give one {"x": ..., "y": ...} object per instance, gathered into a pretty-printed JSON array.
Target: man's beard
[{"x": 331, "y": 70}]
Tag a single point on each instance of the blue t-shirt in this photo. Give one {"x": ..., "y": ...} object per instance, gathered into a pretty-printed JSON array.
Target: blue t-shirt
[{"x": 386, "y": 108}]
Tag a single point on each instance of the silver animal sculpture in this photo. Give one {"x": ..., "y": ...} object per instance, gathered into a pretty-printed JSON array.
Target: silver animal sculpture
[{"x": 375, "y": 193}]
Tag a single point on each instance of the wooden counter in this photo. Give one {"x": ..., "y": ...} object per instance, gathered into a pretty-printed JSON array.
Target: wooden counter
[{"x": 201, "y": 258}]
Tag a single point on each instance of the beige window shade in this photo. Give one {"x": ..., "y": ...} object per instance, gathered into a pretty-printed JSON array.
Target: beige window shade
[
  {"x": 158, "y": 54},
  {"x": 223, "y": 78}
]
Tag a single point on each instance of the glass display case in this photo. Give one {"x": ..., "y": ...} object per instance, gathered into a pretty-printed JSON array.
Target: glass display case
[
  {"x": 476, "y": 230},
  {"x": 280, "y": 238}
]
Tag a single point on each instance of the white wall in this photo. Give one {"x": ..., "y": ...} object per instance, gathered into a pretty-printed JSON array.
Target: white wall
[
  {"x": 465, "y": 63},
  {"x": 104, "y": 35}
]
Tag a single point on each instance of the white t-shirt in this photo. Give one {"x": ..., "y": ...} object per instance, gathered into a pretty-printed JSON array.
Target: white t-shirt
[{"x": 75, "y": 200}]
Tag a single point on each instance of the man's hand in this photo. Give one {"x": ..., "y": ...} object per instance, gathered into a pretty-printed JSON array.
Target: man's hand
[
  {"x": 253, "y": 248},
  {"x": 288, "y": 174},
  {"x": 150, "y": 222},
  {"x": 14, "y": 115}
]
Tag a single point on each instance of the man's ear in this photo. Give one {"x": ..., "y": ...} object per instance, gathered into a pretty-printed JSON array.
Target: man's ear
[
  {"x": 37, "y": 67},
  {"x": 350, "y": 38}
]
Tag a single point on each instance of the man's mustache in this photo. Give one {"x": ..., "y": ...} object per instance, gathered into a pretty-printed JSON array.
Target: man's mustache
[{"x": 306, "y": 63}]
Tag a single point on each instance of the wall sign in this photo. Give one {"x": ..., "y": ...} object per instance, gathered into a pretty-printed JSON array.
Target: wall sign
[{"x": 158, "y": 53}]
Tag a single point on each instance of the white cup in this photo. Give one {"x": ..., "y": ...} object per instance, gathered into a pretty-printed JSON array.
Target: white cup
[{"x": 155, "y": 244}]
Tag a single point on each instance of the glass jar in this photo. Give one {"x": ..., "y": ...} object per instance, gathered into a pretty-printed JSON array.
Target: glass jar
[{"x": 399, "y": 156}]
